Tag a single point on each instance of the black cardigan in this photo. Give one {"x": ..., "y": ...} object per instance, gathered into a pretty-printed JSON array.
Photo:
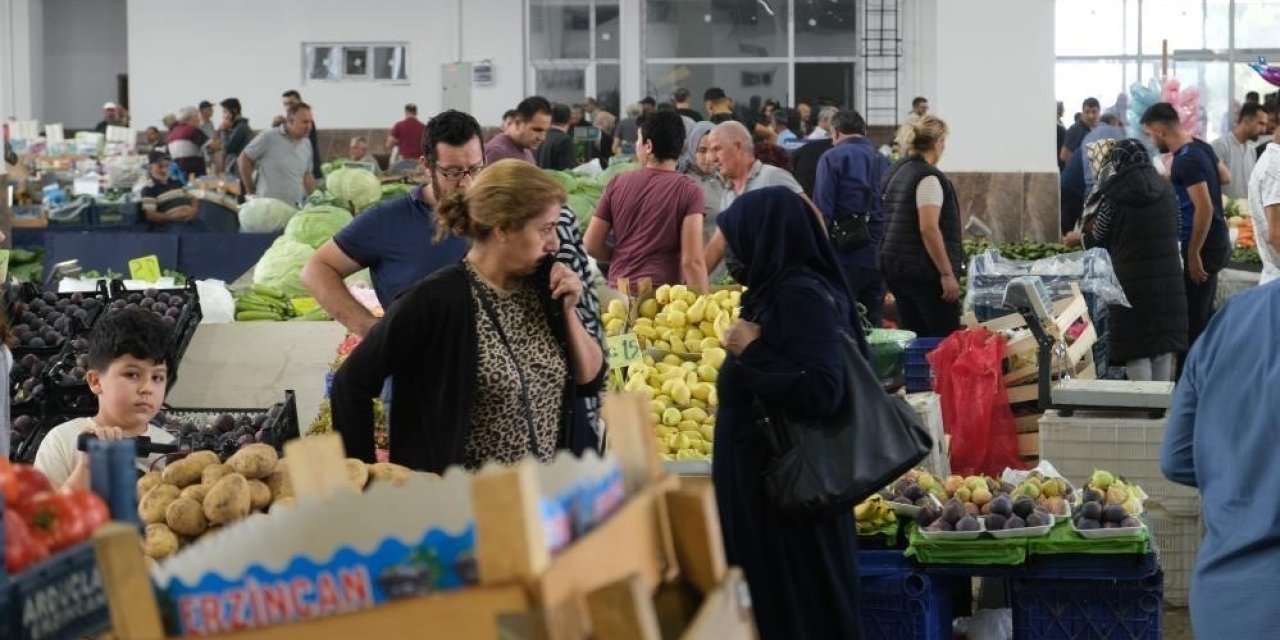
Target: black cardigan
[{"x": 427, "y": 344}]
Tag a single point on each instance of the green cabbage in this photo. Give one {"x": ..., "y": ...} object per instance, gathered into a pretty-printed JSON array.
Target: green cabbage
[
  {"x": 264, "y": 215},
  {"x": 394, "y": 190},
  {"x": 355, "y": 189},
  {"x": 566, "y": 180},
  {"x": 281, "y": 266},
  {"x": 316, "y": 224}
]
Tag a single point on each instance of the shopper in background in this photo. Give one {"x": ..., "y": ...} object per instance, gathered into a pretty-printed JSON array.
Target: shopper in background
[
  {"x": 741, "y": 172},
  {"x": 186, "y": 142},
  {"x": 234, "y": 135},
  {"x": 128, "y": 370},
  {"x": 1062, "y": 138},
  {"x": 290, "y": 99},
  {"x": 1133, "y": 214},
  {"x": 922, "y": 253},
  {"x": 848, "y": 186},
  {"x": 919, "y": 107},
  {"x": 1221, "y": 439},
  {"x": 681, "y": 97},
  {"x": 358, "y": 151},
  {"x": 648, "y": 105},
  {"x": 699, "y": 164},
  {"x": 624, "y": 141},
  {"x": 1264, "y": 208},
  {"x": 527, "y": 131},
  {"x": 823, "y": 129},
  {"x": 786, "y": 348},
  {"x": 206, "y": 120},
  {"x": 282, "y": 158},
  {"x": 407, "y": 134},
  {"x": 772, "y": 155},
  {"x": 605, "y": 122},
  {"x": 508, "y": 355},
  {"x": 784, "y": 123},
  {"x": 1108, "y": 128},
  {"x": 1206, "y": 245},
  {"x": 804, "y": 122},
  {"x": 112, "y": 115},
  {"x": 576, "y": 117},
  {"x": 654, "y": 215},
  {"x": 152, "y": 139},
  {"x": 1090, "y": 111},
  {"x": 804, "y": 161},
  {"x": 556, "y": 151},
  {"x": 1239, "y": 151}
]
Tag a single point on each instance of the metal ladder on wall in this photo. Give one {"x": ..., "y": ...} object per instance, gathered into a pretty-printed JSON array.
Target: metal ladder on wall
[{"x": 881, "y": 55}]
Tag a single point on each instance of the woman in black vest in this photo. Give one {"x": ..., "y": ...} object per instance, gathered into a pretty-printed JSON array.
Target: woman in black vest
[
  {"x": 1133, "y": 214},
  {"x": 921, "y": 255}
]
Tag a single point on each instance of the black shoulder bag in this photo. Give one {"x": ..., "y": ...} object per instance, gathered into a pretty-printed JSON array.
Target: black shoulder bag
[
  {"x": 826, "y": 464},
  {"x": 852, "y": 232}
]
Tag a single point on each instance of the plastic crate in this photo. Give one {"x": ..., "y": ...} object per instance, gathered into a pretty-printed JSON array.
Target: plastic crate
[
  {"x": 899, "y": 603},
  {"x": 1179, "y": 540},
  {"x": 61, "y": 597},
  {"x": 919, "y": 378},
  {"x": 1124, "y": 443},
  {"x": 282, "y": 427},
  {"x": 119, "y": 213},
  {"x": 1087, "y": 609},
  {"x": 918, "y": 350}
]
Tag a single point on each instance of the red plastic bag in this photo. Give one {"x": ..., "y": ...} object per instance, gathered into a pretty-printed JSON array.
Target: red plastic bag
[{"x": 968, "y": 375}]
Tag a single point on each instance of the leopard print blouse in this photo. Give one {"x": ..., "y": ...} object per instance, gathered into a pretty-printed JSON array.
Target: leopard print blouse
[{"x": 499, "y": 427}]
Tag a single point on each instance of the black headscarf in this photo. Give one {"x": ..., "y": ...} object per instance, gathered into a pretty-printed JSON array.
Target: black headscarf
[{"x": 774, "y": 234}]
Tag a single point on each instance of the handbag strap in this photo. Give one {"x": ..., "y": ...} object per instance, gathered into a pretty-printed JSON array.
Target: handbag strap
[{"x": 486, "y": 303}]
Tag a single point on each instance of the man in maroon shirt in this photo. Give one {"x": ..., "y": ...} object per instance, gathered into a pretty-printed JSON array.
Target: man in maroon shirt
[
  {"x": 407, "y": 134},
  {"x": 655, "y": 213},
  {"x": 533, "y": 119}
]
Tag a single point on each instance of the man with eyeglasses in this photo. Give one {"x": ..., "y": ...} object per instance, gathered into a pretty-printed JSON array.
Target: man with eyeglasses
[{"x": 393, "y": 239}]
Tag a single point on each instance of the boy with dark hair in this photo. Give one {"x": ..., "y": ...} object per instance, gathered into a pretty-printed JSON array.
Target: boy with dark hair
[
  {"x": 1196, "y": 177},
  {"x": 128, "y": 369},
  {"x": 655, "y": 214}
]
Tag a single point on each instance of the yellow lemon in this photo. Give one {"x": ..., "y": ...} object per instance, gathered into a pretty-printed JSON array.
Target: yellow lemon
[
  {"x": 677, "y": 345},
  {"x": 702, "y": 391},
  {"x": 707, "y": 327},
  {"x": 714, "y": 357},
  {"x": 708, "y": 432},
  {"x": 694, "y": 402},
  {"x": 673, "y": 360},
  {"x": 710, "y": 343},
  {"x": 697, "y": 311},
  {"x": 679, "y": 394},
  {"x": 707, "y": 373},
  {"x": 663, "y": 294},
  {"x": 695, "y": 415},
  {"x": 613, "y": 327},
  {"x": 661, "y": 345},
  {"x": 693, "y": 335},
  {"x": 617, "y": 308},
  {"x": 649, "y": 308},
  {"x": 645, "y": 331},
  {"x": 671, "y": 417},
  {"x": 677, "y": 305}
]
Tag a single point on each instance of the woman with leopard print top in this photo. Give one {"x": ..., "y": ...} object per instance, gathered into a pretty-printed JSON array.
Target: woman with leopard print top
[{"x": 488, "y": 356}]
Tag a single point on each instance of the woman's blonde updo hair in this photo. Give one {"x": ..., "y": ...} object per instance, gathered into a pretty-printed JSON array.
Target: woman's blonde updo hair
[
  {"x": 506, "y": 195},
  {"x": 920, "y": 135}
]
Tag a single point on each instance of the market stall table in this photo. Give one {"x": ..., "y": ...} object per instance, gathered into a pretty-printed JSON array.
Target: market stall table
[{"x": 220, "y": 255}]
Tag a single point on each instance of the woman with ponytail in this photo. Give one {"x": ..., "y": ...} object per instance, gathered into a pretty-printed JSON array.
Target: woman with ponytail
[{"x": 488, "y": 356}]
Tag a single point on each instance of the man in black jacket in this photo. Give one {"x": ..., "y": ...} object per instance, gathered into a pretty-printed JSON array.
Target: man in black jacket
[{"x": 556, "y": 152}]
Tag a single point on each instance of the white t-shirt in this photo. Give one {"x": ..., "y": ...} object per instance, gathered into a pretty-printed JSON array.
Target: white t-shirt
[
  {"x": 56, "y": 458},
  {"x": 1264, "y": 191}
]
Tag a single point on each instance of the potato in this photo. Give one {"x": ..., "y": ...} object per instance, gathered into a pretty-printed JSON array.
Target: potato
[
  {"x": 196, "y": 492},
  {"x": 203, "y": 458},
  {"x": 279, "y": 484},
  {"x": 357, "y": 473},
  {"x": 213, "y": 473},
  {"x": 228, "y": 500},
  {"x": 389, "y": 472},
  {"x": 181, "y": 473},
  {"x": 259, "y": 495},
  {"x": 152, "y": 507},
  {"x": 161, "y": 542},
  {"x": 286, "y": 502},
  {"x": 185, "y": 517},
  {"x": 147, "y": 482},
  {"x": 254, "y": 461}
]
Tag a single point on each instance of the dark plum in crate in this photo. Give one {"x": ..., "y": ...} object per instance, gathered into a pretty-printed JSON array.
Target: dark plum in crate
[
  {"x": 225, "y": 431},
  {"x": 169, "y": 305},
  {"x": 46, "y": 321}
]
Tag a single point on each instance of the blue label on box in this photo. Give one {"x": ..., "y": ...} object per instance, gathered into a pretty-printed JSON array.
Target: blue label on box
[
  {"x": 349, "y": 581},
  {"x": 61, "y": 597}
]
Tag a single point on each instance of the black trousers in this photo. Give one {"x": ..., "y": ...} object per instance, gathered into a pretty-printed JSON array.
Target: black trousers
[
  {"x": 867, "y": 288},
  {"x": 921, "y": 308}
]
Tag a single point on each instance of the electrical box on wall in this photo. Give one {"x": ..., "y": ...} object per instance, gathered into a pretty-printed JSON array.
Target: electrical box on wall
[
  {"x": 456, "y": 86},
  {"x": 482, "y": 73}
]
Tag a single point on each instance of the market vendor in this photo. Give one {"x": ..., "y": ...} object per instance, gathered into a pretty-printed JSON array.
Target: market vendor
[
  {"x": 165, "y": 204},
  {"x": 487, "y": 356}
]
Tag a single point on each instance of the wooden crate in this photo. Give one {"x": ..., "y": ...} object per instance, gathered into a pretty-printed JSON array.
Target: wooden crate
[
  {"x": 664, "y": 540},
  {"x": 1067, "y": 312}
]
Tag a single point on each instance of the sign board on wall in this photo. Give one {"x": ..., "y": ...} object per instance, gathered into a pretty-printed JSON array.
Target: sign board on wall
[{"x": 482, "y": 73}]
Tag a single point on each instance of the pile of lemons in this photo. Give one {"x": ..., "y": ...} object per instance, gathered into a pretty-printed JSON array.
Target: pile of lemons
[{"x": 682, "y": 401}]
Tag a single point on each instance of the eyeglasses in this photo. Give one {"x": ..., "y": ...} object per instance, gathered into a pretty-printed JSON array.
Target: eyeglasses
[{"x": 458, "y": 173}]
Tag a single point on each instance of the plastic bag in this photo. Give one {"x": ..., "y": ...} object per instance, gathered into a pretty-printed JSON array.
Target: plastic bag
[
  {"x": 989, "y": 273},
  {"x": 216, "y": 303},
  {"x": 975, "y": 405},
  {"x": 986, "y": 624}
]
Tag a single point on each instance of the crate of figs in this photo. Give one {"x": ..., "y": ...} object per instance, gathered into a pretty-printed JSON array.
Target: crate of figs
[{"x": 225, "y": 431}]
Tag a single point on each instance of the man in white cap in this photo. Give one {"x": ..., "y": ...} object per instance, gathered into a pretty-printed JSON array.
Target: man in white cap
[{"x": 112, "y": 115}]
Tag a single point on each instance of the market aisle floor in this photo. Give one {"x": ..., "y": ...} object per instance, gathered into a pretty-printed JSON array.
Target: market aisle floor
[{"x": 1176, "y": 624}]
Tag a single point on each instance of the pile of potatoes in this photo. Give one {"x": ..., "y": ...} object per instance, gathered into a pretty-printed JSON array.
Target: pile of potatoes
[{"x": 198, "y": 494}]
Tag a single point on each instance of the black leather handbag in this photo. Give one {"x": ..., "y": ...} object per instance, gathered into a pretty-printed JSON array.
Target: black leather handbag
[
  {"x": 825, "y": 464},
  {"x": 851, "y": 232}
]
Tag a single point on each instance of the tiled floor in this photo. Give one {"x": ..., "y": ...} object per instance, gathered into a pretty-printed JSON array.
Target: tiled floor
[{"x": 1176, "y": 624}]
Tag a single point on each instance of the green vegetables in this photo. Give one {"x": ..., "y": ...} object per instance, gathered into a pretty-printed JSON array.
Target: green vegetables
[
  {"x": 267, "y": 303},
  {"x": 26, "y": 266},
  {"x": 265, "y": 215},
  {"x": 281, "y": 266},
  {"x": 353, "y": 189},
  {"x": 315, "y": 224},
  {"x": 1246, "y": 255},
  {"x": 584, "y": 192},
  {"x": 1025, "y": 251}
]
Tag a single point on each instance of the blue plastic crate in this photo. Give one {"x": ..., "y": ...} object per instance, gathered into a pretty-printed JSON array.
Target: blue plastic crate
[
  {"x": 1088, "y": 609},
  {"x": 120, "y": 213},
  {"x": 61, "y": 597},
  {"x": 918, "y": 350},
  {"x": 903, "y": 604}
]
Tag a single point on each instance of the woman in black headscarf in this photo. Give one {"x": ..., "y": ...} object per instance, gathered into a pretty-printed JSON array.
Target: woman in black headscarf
[
  {"x": 786, "y": 349},
  {"x": 1133, "y": 214}
]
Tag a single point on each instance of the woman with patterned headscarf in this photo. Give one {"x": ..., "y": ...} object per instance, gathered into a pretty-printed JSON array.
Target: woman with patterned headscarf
[{"x": 1133, "y": 214}]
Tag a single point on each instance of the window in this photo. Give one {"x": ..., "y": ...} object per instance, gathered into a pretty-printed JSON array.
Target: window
[
  {"x": 354, "y": 62},
  {"x": 716, "y": 28},
  {"x": 826, "y": 29},
  {"x": 574, "y": 50}
]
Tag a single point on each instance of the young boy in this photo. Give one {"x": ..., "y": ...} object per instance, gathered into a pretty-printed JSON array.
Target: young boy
[{"x": 128, "y": 371}]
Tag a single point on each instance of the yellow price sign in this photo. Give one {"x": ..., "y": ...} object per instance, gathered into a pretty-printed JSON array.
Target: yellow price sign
[
  {"x": 146, "y": 268},
  {"x": 622, "y": 351},
  {"x": 303, "y": 306}
]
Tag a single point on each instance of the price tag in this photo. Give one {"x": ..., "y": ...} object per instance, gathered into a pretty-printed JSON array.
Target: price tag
[
  {"x": 623, "y": 350},
  {"x": 303, "y": 306},
  {"x": 146, "y": 268}
]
